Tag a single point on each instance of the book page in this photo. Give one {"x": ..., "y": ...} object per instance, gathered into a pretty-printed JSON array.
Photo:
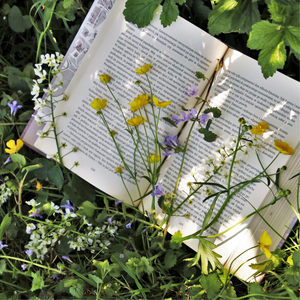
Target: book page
[
  {"x": 118, "y": 50},
  {"x": 239, "y": 91}
]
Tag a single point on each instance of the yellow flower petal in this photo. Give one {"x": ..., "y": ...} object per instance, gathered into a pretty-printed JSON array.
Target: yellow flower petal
[
  {"x": 283, "y": 147},
  {"x": 139, "y": 102},
  {"x": 144, "y": 69},
  {"x": 162, "y": 104},
  {"x": 265, "y": 241},
  {"x": 105, "y": 78},
  {"x": 98, "y": 104},
  {"x": 260, "y": 128},
  {"x": 14, "y": 146},
  {"x": 136, "y": 121},
  {"x": 154, "y": 158},
  {"x": 38, "y": 185}
]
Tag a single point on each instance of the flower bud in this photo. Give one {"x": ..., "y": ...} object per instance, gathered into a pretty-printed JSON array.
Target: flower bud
[
  {"x": 242, "y": 121},
  {"x": 105, "y": 78}
]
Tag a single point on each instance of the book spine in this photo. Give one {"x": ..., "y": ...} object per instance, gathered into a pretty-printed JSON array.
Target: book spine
[{"x": 73, "y": 58}]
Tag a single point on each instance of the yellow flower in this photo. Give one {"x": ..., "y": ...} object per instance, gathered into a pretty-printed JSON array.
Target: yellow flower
[
  {"x": 154, "y": 158},
  {"x": 119, "y": 169},
  {"x": 98, "y": 104},
  {"x": 14, "y": 147},
  {"x": 283, "y": 147},
  {"x": 162, "y": 104},
  {"x": 260, "y": 128},
  {"x": 105, "y": 78},
  {"x": 139, "y": 102},
  {"x": 265, "y": 242},
  {"x": 38, "y": 185},
  {"x": 144, "y": 69},
  {"x": 136, "y": 121}
]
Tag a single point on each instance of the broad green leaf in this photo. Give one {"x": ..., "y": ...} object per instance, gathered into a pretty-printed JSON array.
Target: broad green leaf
[
  {"x": 19, "y": 159},
  {"x": 25, "y": 116},
  {"x": 176, "y": 240},
  {"x": 233, "y": 16},
  {"x": 229, "y": 292},
  {"x": 286, "y": 2},
  {"x": 201, "y": 10},
  {"x": 16, "y": 21},
  {"x": 2, "y": 266},
  {"x": 216, "y": 112},
  {"x": 9, "y": 168},
  {"x": 283, "y": 14},
  {"x": 5, "y": 9},
  {"x": 169, "y": 12},
  {"x": 42, "y": 173},
  {"x": 61, "y": 11},
  {"x": 37, "y": 282},
  {"x": 77, "y": 291},
  {"x": 70, "y": 282},
  {"x": 170, "y": 259},
  {"x": 272, "y": 59},
  {"x": 83, "y": 188},
  {"x": 32, "y": 167},
  {"x": 6, "y": 221},
  {"x": 209, "y": 136},
  {"x": 95, "y": 278},
  {"x": 16, "y": 82},
  {"x": 292, "y": 275},
  {"x": 296, "y": 258},
  {"x": 68, "y": 3},
  {"x": 292, "y": 35},
  {"x": 196, "y": 292},
  {"x": 212, "y": 284},
  {"x": 270, "y": 38},
  {"x": 56, "y": 177},
  {"x": 255, "y": 288},
  {"x": 88, "y": 208},
  {"x": 69, "y": 193},
  {"x": 140, "y": 12}
]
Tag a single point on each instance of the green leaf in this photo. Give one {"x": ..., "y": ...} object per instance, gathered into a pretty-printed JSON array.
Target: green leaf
[
  {"x": 5, "y": 224},
  {"x": 88, "y": 208},
  {"x": 176, "y": 240},
  {"x": 42, "y": 173},
  {"x": 292, "y": 275},
  {"x": 15, "y": 81},
  {"x": 209, "y": 136},
  {"x": 83, "y": 188},
  {"x": 286, "y": 2},
  {"x": 9, "y": 168},
  {"x": 170, "y": 121},
  {"x": 212, "y": 284},
  {"x": 16, "y": 21},
  {"x": 255, "y": 288},
  {"x": 292, "y": 35},
  {"x": 56, "y": 177},
  {"x": 140, "y": 12},
  {"x": 95, "y": 278},
  {"x": 270, "y": 38},
  {"x": 229, "y": 292},
  {"x": 169, "y": 13},
  {"x": 296, "y": 258},
  {"x": 32, "y": 167},
  {"x": 61, "y": 11},
  {"x": 233, "y": 16},
  {"x": 216, "y": 112},
  {"x": 77, "y": 291},
  {"x": 2, "y": 266},
  {"x": 200, "y": 75},
  {"x": 5, "y": 9},
  {"x": 37, "y": 282},
  {"x": 284, "y": 14},
  {"x": 25, "y": 116},
  {"x": 264, "y": 266},
  {"x": 201, "y": 10},
  {"x": 170, "y": 259},
  {"x": 68, "y": 3},
  {"x": 18, "y": 158}
]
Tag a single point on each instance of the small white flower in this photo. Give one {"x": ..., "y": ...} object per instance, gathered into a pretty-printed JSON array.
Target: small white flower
[
  {"x": 55, "y": 208},
  {"x": 32, "y": 202},
  {"x": 69, "y": 214},
  {"x": 29, "y": 228}
]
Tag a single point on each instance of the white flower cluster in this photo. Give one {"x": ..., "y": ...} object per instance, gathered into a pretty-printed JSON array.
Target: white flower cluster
[
  {"x": 95, "y": 237},
  {"x": 5, "y": 193},
  {"x": 44, "y": 236},
  {"x": 52, "y": 62}
]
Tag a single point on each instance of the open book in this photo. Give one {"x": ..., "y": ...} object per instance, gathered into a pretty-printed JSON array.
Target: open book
[{"x": 239, "y": 90}]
